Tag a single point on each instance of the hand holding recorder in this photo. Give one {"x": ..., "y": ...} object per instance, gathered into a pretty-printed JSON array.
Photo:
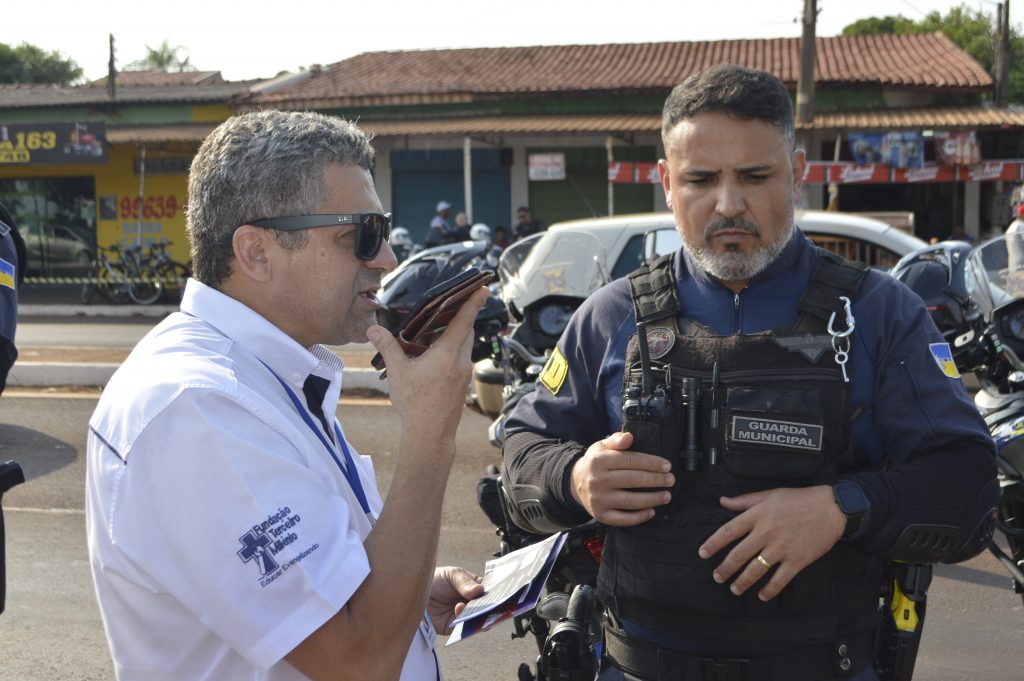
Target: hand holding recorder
[{"x": 429, "y": 317}]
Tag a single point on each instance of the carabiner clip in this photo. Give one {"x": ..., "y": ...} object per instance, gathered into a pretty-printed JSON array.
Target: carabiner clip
[{"x": 849, "y": 321}]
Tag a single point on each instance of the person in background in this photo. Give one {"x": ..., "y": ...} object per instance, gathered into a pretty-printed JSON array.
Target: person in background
[
  {"x": 462, "y": 227},
  {"x": 441, "y": 231},
  {"x": 234, "y": 532},
  {"x": 527, "y": 224},
  {"x": 500, "y": 237}
]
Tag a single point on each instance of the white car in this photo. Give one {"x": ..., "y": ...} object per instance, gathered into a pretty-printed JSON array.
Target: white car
[{"x": 851, "y": 236}]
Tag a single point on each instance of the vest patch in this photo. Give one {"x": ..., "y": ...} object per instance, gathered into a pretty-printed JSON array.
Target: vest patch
[
  {"x": 660, "y": 340},
  {"x": 774, "y": 433},
  {"x": 809, "y": 345},
  {"x": 552, "y": 376},
  {"x": 6, "y": 274}
]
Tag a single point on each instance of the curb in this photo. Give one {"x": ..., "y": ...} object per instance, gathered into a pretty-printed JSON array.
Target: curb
[
  {"x": 48, "y": 374},
  {"x": 96, "y": 310}
]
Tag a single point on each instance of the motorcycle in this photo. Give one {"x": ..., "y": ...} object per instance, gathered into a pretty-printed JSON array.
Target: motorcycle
[
  {"x": 542, "y": 282},
  {"x": 976, "y": 298}
]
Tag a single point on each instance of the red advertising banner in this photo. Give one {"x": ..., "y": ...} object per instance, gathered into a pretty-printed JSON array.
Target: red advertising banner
[
  {"x": 928, "y": 173},
  {"x": 815, "y": 173},
  {"x": 621, "y": 172},
  {"x": 647, "y": 173},
  {"x": 989, "y": 171},
  {"x": 957, "y": 147},
  {"x": 850, "y": 173}
]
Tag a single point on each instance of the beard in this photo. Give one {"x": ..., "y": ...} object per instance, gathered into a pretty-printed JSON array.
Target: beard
[{"x": 733, "y": 264}]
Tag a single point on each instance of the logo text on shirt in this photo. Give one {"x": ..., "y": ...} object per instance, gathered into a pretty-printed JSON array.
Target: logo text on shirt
[{"x": 263, "y": 542}]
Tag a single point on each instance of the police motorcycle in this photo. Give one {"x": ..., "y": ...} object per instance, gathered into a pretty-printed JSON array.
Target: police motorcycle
[
  {"x": 976, "y": 298},
  {"x": 543, "y": 281}
]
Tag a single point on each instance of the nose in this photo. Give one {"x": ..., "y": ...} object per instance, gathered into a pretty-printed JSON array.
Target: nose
[
  {"x": 385, "y": 258},
  {"x": 731, "y": 201}
]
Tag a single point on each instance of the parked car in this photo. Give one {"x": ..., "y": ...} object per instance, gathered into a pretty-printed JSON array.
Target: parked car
[{"x": 56, "y": 248}]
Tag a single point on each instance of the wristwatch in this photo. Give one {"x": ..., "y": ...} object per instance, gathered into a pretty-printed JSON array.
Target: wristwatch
[{"x": 852, "y": 502}]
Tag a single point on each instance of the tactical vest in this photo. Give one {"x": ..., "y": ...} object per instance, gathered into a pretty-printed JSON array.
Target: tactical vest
[{"x": 741, "y": 413}]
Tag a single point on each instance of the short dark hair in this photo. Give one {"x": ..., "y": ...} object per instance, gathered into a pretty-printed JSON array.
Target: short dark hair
[{"x": 734, "y": 90}]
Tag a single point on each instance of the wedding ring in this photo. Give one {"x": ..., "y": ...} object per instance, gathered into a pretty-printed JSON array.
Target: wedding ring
[{"x": 765, "y": 564}]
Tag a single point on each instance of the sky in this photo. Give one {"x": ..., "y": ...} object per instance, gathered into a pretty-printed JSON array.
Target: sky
[{"x": 260, "y": 38}]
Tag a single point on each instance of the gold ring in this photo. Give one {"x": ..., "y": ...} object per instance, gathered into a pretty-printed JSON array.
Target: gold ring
[{"x": 765, "y": 564}]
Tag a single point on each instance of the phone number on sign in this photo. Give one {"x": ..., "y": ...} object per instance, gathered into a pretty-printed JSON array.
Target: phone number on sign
[{"x": 151, "y": 207}]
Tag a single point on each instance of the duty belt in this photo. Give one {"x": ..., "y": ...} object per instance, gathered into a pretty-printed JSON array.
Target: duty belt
[{"x": 817, "y": 662}]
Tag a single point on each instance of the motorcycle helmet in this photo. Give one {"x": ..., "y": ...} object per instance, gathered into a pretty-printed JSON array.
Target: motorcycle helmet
[
  {"x": 400, "y": 237},
  {"x": 480, "y": 232},
  {"x": 938, "y": 275}
]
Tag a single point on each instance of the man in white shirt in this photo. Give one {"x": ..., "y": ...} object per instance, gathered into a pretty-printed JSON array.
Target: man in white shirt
[{"x": 233, "y": 531}]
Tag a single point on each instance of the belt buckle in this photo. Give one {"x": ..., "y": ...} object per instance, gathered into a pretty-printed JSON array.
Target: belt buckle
[{"x": 724, "y": 669}]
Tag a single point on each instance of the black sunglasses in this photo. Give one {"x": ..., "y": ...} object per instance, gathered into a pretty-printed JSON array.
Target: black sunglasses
[{"x": 372, "y": 229}]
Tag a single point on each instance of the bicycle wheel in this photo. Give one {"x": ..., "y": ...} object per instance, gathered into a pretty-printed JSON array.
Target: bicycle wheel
[
  {"x": 112, "y": 284},
  {"x": 146, "y": 288},
  {"x": 173, "y": 276},
  {"x": 89, "y": 286}
]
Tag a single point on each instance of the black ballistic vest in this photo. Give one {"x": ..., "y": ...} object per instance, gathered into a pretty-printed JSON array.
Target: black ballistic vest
[{"x": 772, "y": 411}]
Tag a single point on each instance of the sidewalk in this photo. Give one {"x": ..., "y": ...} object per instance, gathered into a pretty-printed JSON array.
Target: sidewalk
[{"x": 51, "y": 366}]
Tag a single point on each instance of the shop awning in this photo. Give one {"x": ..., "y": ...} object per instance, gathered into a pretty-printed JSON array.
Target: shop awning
[{"x": 152, "y": 134}]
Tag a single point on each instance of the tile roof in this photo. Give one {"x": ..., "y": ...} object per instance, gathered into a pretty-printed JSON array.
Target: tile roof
[
  {"x": 26, "y": 96},
  {"x": 423, "y": 76},
  {"x": 172, "y": 78},
  {"x": 123, "y": 134}
]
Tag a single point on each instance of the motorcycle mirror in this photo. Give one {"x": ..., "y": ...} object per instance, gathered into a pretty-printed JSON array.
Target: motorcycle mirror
[{"x": 553, "y": 606}]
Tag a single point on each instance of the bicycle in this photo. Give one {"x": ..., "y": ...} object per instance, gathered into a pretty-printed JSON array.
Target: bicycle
[{"x": 130, "y": 278}]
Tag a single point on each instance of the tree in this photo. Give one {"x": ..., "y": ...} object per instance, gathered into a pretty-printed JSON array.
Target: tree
[
  {"x": 164, "y": 58},
  {"x": 972, "y": 30},
  {"x": 30, "y": 64}
]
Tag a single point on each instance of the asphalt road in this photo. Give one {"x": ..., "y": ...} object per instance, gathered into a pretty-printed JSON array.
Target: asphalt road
[{"x": 52, "y": 629}]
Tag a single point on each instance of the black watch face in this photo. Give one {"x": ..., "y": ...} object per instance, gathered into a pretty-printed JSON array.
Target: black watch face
[{"x": 851, "y": 498}]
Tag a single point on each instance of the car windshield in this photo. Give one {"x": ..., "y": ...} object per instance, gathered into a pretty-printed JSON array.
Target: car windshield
[{"x": 562, "y": 262}]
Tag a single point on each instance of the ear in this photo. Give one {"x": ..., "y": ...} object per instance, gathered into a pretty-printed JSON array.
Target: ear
[
  {"x": 664, "y": 174},
  {"x": 799, "y": 167},
  {"x": 251, "y": 247}
]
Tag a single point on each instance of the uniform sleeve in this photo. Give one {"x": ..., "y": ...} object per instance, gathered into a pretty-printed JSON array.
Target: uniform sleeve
[
  {"x": 225, "y": 515},
  {"x": 9, "y": 274},
  {"x": 569, "y": 409},
  {"x": 941, "y": 467}
]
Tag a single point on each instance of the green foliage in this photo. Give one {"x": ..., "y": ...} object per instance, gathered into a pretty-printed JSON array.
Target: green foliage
[
  {"x": 971, "y": 29},
  {"x": 30, "y": 64},
  {"x": 163, "y": 58}
]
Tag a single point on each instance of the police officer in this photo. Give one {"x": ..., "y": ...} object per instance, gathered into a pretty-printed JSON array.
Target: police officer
[
  {"x": 792, "y": 422},
  {"x": 12, "y": 271}
]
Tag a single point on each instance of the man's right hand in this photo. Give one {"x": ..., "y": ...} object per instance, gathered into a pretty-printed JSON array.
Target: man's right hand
[{"x": 606, "y": 478}]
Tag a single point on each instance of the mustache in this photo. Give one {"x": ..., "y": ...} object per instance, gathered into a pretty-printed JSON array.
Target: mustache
[{"x": 731, "y": 225}]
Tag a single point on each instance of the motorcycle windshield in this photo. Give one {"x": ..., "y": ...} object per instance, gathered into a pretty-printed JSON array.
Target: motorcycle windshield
[
  {"x": 997, "y": 272},
  {"x": 562, "y": 263}
]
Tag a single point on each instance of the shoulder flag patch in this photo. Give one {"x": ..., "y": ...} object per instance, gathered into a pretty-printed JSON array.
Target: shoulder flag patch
[
  {"x": 6, "y": 274},
  {"x": 555, "y": 370},
  {"x": 944, "y": 358}
]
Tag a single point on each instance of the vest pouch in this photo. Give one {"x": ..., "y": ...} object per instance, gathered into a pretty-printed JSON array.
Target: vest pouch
[
  {"x": 661, "y": 570},
  {"x": 773, "y": 433},
  {"x": 662, "y": 437}
]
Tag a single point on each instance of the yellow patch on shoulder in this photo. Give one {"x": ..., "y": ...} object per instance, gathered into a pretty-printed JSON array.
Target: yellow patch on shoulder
[{"x": 552, "y": 376}]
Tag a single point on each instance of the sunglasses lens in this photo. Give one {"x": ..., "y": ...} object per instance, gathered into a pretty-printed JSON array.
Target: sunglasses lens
[{"x": 373, "y": 232}]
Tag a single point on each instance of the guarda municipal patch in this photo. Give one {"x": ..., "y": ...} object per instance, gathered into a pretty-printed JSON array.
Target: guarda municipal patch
[
  {"x": 552, "y": 376},
  {"x": 943, "y": 356},
  {"x": 760, "y": 431}
]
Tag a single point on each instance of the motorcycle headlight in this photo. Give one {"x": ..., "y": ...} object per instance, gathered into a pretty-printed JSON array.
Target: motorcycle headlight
[{"x": 552, "y": 318}]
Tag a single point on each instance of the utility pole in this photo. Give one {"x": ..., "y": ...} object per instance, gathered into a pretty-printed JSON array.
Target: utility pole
[
  {"x": 1002, "y": 75},
  {"x": 111, "y": 71},
  {"x": 805, "y": 85}
]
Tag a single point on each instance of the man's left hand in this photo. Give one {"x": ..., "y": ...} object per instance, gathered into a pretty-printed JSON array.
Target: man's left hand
[
  {"x": 787, "y": 528},
  {"x": 451, "y": 588}
]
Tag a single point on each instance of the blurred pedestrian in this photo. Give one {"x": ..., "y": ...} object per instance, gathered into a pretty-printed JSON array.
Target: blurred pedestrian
[
  {"x": 527, "y": 224},
  {"x": 462, "y": 228},
  {"x": 500, "y": 237},
  {"x": 441, "y": 231}
]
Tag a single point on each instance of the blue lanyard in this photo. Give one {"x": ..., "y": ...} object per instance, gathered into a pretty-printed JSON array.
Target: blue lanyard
[{"x": 348, "y": 469}]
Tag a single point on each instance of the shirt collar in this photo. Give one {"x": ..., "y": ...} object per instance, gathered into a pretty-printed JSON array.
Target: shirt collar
[
  {"x": 253, "y": 332},
  {"x": 786, "y": 261}
]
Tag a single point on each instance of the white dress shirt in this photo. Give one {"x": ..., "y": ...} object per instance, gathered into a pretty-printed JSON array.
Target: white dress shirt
[{"x": 221, "y": 531}]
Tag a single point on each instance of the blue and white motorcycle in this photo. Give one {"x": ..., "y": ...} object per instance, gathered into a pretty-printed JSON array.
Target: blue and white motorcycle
[{"x": 976, "y": 298}]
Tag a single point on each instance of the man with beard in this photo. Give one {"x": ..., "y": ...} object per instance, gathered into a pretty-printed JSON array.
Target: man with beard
[
  {"x": 791, "y": 428},
  {"x": 233, "y": 530}
]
